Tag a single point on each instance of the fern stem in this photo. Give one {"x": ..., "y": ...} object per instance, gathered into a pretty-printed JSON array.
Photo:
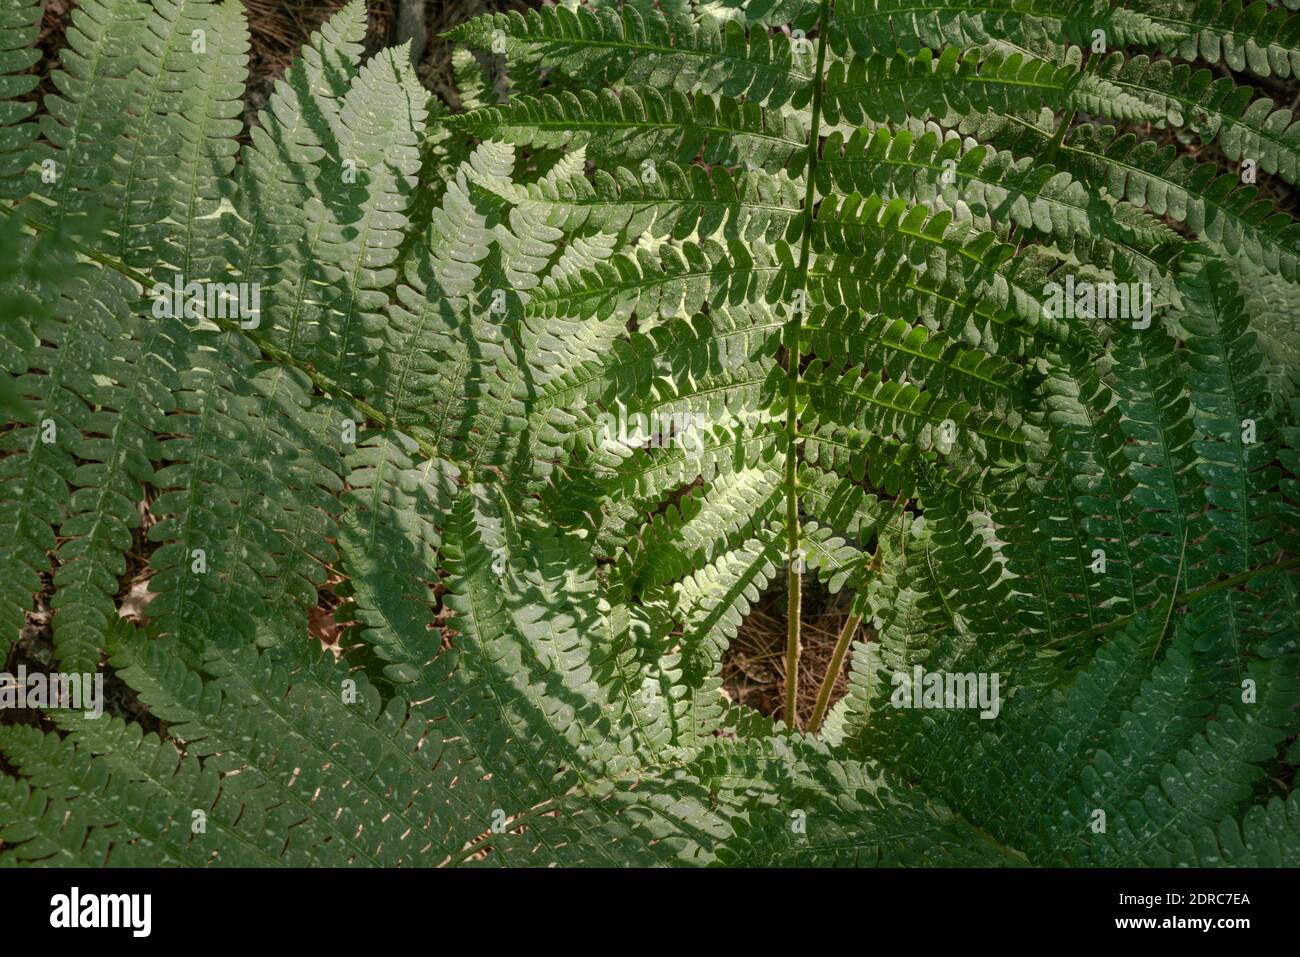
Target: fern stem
[
  {"x": 795, "y": 576},
  {"x": 1058, "y": 138},
  {"x": 850, "y": 626},
  {"x": 832, "y": 672}
]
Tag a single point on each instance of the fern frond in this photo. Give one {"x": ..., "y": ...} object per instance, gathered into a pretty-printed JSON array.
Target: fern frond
[
  {"x": 86, "y": 121},
  {"x": 650, "y": 49},
  {"x": 874, "y": 26},
  {"x": 1215, "y": 109},
  {"x": 1254, "y": 37},
  {"x": 178, "y": 158},
  {"x": 639, "y": 124},
  {"x": 1214, "y": 205},
  {"x": 668, "y": 202},
  {"x": 1236, "y": 446},
  {"x": 953, "y": 85},
  {"x": 996, "y": 186},
  {"x": 19, "y": 26}
]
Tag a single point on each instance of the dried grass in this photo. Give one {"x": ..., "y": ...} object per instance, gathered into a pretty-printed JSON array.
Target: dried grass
[{"x": 753, "y": 667}]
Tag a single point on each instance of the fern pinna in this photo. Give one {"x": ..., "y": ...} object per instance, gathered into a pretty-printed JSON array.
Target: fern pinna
[{"x": 931, "y": 303}]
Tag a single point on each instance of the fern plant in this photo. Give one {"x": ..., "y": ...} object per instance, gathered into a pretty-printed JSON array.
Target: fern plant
[{"x": 724, "y": 297}]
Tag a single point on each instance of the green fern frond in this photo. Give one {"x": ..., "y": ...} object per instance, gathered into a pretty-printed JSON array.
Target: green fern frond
[
  {"x": 951, "y": 85},
  {"x": 650, "y": 49},
  {"x": 1254, "y": 37},
  {"x": 731, "y": 308},
  {"x": 19, "y": 26},
  {"x": 645, "y": 123}
]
